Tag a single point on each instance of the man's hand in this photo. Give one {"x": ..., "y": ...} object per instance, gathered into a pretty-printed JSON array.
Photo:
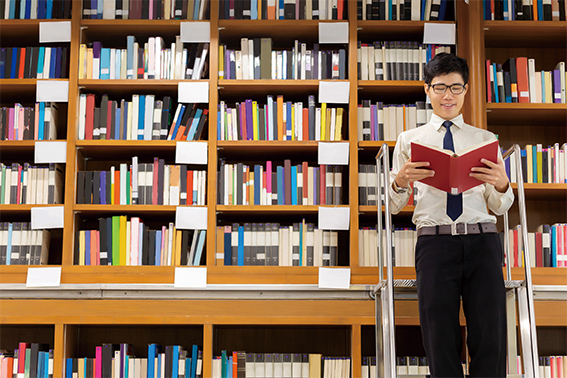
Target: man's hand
[
  {"x": 494, "y": 174},
  {"x": 411, "y": 172}
]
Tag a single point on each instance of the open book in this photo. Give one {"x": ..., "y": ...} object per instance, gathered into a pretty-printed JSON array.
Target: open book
[{"x": 452, "y": 169}]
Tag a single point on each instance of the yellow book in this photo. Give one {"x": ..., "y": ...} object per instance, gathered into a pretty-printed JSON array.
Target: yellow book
[
  {"x": 529, "y": 163},
  {"x": 221, "y": 62},
  {"x": 81, "y": 248},
  {"x": 339, "y": 124},
  {"x": 89, "y": 73},
  {"x": 177, "y": 260},
  {"x": 122, "y": 240},
  {"x": 323, "y": 121},
  {"x": 539, "y": 163},
  {"x": 315, "y": 365},
  {"x": 292, "y": 121},
  {"x": 281, "y": 132},
  {"x": 82, "y": 60},
  {"x": 328, "y": 125},
  {"x": 128, "y": 239},
  {"x": 548, "y": 87},
  {"x": 255, "y": 127}
]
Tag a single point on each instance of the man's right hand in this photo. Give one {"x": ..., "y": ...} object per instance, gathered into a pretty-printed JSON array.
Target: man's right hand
[{"x": 411, "y": 172}]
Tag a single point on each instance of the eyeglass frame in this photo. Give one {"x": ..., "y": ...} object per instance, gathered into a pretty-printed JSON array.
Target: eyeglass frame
[{"x": 462, "y": 86}]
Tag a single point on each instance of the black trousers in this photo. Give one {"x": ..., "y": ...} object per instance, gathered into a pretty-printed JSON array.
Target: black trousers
[{"x": 450, "y": 268}]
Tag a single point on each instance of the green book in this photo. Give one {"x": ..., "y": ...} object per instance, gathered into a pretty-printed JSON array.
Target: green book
[
  {"x": 116, "y": 240},
  {"x": 28, "y": 363}
]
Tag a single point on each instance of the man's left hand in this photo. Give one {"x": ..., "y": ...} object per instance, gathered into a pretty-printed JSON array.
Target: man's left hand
[{"x": 494, "y": 174}]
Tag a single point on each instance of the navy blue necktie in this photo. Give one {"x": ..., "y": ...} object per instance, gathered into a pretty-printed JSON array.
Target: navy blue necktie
[{"x": 454, "y": 201}]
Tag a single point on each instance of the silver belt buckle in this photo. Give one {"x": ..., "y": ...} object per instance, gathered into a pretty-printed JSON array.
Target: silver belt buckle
[{"x": 458, "y": 229}]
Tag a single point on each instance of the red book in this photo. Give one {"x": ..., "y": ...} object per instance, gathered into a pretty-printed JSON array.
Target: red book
[
  {"x": 522, "y": 73},
  {"x": 109, "y": 125},
  {"x": 22, "y": 61},
  {"x": 117, "y": 187},
  {"x": 189, "y": 187},
  {"x": 305, "y": 169},
  {"x": 305, "y": 123},
  {"x": 452, "y": 169},
  {"x": 22, "y": 357},
  {"x": 89, "y": 117},
  {"x": 340, "y": 9},
  {"x": 488, "y": 81},
  {"x": 539, "y": 249},
  {"x": 515, "y": 248},
  {"x": 94, "y": 238},
  {"x": 323, "y": 174},
  {"x": 287, "y": 181},
  {"x": 244, "y": 125}
]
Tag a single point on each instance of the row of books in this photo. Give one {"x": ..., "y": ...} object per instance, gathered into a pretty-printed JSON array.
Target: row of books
[
  {"x": 20, "y": 245},
  {"x": 395, "y": 60},
  {"x": 414, "y": 10},
  {"x": 36, "y": 9},
  {"x": 151, "y": 60},
  {"x": 28, "y": 360},
  {"x": 34, "y": 62},
  {"x": 407, "y": 365},
  {"x": 120, "y": 240},
  {"x": 25, "y": 184},
  {"x": 272, "y": 244},
  {"x": 552, "y": 366},
  {"x": 368, "y": 187},
  {"x": 279, "y": 365},
  {"x": 154, "y": 183},
  {"x": 540, "y": 165},
  {"x": 257, "y": 61},
  {"x": 143, "y": 118},
  {"x": 547, "y": 246},
  {"x": 119, "y": 360},
  {"x": 385, "y": 122},
  {"x": 403, "y": 243},
  {"x": 287, "y": 184},
  {"x": 280, "y": 120},
  {"x": 518, "y": 81},
  {"x": 534, "y": 10},
  {"x": 283, "y": 10},
  {"x": 29, "y": 123},
  {"x": 146, "y": 10}
]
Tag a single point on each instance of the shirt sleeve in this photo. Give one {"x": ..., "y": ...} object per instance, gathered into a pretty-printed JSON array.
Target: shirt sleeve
[
  {"x": 498, "y": 202},
  {"x": 400, "y": 156}
]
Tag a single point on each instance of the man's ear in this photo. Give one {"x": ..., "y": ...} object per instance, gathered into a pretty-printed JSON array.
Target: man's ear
[{"x": 425, "y": 88}]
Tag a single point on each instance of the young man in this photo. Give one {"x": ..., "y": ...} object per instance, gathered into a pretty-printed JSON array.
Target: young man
[{"x": 449, "y": 267}]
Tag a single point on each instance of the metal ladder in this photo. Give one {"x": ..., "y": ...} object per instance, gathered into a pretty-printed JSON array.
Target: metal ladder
[{"x": 516, "y": 291}]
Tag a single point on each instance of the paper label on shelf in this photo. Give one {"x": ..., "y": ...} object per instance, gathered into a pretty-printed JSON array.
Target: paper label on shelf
[
  {"x": 191, "y": 218},
  {"x": 52, "y": 91},
  {"x": 334, "y": 278},
  {"x": 334, "y": 218},
  {"x": 333, "y": 153},
  {"x": 195, "y": 32},
  {"x": 44, "y": 277},
  {"x": 191, "y": 153},
  {"x": 442, "y": 34},
  {"x": 334, "y": 92},
  {"x": 47, "y": 217},
  {"x": 50, "y": 152},
  {"x": 333, "y": 32},
  {"x": 193, "y": 92},
  {"x": 59, "y": 31},
  {"x": 190, "y": 277}
]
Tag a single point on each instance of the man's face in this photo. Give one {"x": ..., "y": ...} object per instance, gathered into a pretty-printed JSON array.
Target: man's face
[{"x": 447, "y": 105}]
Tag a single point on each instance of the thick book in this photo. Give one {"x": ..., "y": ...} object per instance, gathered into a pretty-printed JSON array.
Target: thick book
[{"x": 452, "y": 169}]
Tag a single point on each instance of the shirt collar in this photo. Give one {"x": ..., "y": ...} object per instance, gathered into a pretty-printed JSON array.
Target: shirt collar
[{"x": 437, "y": 121}]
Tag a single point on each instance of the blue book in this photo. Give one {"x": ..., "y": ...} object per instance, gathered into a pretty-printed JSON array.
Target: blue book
[
  {"x": 228, "y": 248},
  {"x": 219, "y": 136},
  {"x": 194, "y": 124},
  {"x": 553, "y": 237},
  {"x": 543, "y": 88},
  {"x": 188, "y": 367},
  {"x": 105, "y": 63},
  {"x": 117, "y": 64},
  {"x": 41, "y": 121},
  {"x": 69, "y": 369},
  {"x": 117, "y": 124},
  {"x": 125, "y": 116},
  {"x": 58, "y": 57},
  {"x": 94, "y": 8},
  {"x": 99, "y": 9},
  {"x": 159, "y": 364},
  {"x": 178, "y": 121},
  {"x": 15, "y": 54},
  {"x": 9, "y": 244},
  {"x": 506, "y": 11},
  {"x": 130, "y": 56},
  {"x": 27, "y": 14},
  {"x": 534, "y": 164},
  {"x": 230, "y": 366},
  {"x": 240, "y": 245},
  {"x": 224, "y": 364},
  {"x": 40, "y": 358},
  {"x": 487, "y": 10},
  {"x": 49, "y": 10},
  {"x": 281, "y": 8},
  {"x": 194, "y": 355},
  {"x": 158, "y": 248},
  {"x": 281, "y": 186},
  {"x": 289, "y": 135},
  {"x": 22, "y": 9},
  {"x": 41, "y": 4},
  {"x": 496, "y": 99},
  {"x": 53, "y": 63},
  {"x": 87, "y": 248},
  {"x": 40, "y": 59},
  {"x": 254, "y": 9},
  {"x": 540, "y": 10},
  {"x": 196, "y": 9},
  {"x": 12, "y": 14},
  {"x": 175, "y": 358},
  {"x": 443, "y": 8},
  {"x": 141, "y": 116},
  {"x": 257, "y": 184},
  {"x": 293, "y": 185},
  {"x": 199, "y": 250}
]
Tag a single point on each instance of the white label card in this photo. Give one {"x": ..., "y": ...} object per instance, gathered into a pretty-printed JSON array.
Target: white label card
[
  {"x": 191, "y": 153},
  {"x": 334, "y": 218},
  {"x": 333, "y": 153},
  {"x": 333, "y": 32},
  {"x": 443, "y": 34},
  {"x": 52, "y": 91},
  {"x": 334, "y": 278},
  {"x": 195, "y": 32},
  {"x": 334, "y": 92},
  {"x": 44, "y": 277},
  {"x": 47, "y": 217},
  {"x": 50, "y": 152},
  {"x": 191, "y": 218},
  {"x": 59, "y": 31},
  {"x": 190, "y": 277},
  {"x": 193, "y": 92}
]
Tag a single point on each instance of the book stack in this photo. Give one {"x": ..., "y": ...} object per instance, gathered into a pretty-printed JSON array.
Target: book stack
[
  {"x": 381, "y": 122},
  {"x": 283, "y": 10},
  {"x": 395, "y": 60},
  {"x": 280, "y": 120},
  {"x": 403, "y": 243},
  {"x": 20, "y": 245},
  {"x": 240, "y": 184},
  {"x": 123, "y": 241},
  {"x": 152, "y": 60},
  {"x": 414, "y": 10},
  {"x": 279, "y": 365},
  {"x": 119, "y": 360},
  {"x": 24, "y": 184},
  {"x": 412, "y": 366},
  {"x": 257, "y": 61},
  {"x": 146, "y": 10},
  {"x": 552, "y": 366},
  {"x": 29, "y": 360},
  {"x": 30, "y": 10},
  {"x": 540, "y": 165},
  {"x": 142, "y": 118},
  {"x": 547, "y": 246},
  {"x": 270, "y": 244},
  {"x": 34, "y": 62},
  {"x": 531, "y": 10},
  {"x": 143, "y": 184},
  {"x": 29, "y": 123},
  {"x": 518, "y": 81}
]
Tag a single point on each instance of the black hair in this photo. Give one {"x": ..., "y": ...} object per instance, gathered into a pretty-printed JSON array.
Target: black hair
[{"x": 444, "y": 64}]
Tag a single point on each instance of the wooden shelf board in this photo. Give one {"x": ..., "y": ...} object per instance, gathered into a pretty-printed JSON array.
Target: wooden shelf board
[
  {"x": 541, "y": 33},
  {"x": 271, "y": 209},
  {"x": 513, "y": 114},
  {"x": 375, "y": 145},
  {"x": 543, "y": 191},
  {"x": 372, "y": 210}
]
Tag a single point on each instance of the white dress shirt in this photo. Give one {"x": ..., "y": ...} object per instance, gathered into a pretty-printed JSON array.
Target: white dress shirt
[{"x": 431, "y": 208}]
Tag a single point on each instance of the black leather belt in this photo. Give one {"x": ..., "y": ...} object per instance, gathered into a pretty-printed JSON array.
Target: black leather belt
[{"x": 458, "y": 229}]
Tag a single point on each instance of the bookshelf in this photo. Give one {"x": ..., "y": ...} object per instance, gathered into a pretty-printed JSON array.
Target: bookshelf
[{"x": 73, "y": 324}]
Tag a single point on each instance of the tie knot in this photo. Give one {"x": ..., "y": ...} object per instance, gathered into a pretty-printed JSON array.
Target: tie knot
[{"x": 447, "y": 124}]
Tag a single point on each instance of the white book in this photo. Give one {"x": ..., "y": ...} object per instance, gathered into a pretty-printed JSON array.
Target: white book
[
  {"x": 371, "y": 63},
  {"x": 47, "y": 64},
  {"x": 108, "y": 10},
  {"x": 82, "y": 116},
  {"x": 251, "y": 60},
  {"x": 112, "y": 68},
  {"x": 244, "y": 53},
  {"x": 532, "y": 80}
]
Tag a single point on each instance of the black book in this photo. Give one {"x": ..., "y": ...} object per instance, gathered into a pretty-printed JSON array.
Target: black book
[
  {"x": 102, "y": 241},
  {"x": 545, "y": 173},
  {"x": 108, "y": 190},
  {"x": 103, "y": 116},
  {"x": 264, "y": 10},
  {"x": 2, "y": 7},
  {"x": 168, "y": 361},
  {"x": 109, "y": 240},
  {"x": 315, "y": 12},
  {"x": 89, "y": 187},
  {"x": 184, "y": 246},
  {"x": 145, "y": 10},
  {"x": 76, "y": 252},
  {"x": 301, "y": 5},
  {"x": 67, "y": 9},
  {"x": 8, "y": 64},
  {"x": 561, "y": 10},
  {"x": 81, "y": 187},
  {"x": 27, "y": 63},
  {"x": 547, "y": 11},
  {"x": 507, "y": 85},
  {"x": 246, "y": 10},
  {"x": 527, "y": 10},
  {"x": 151, "y": 247},
  {"x": 201, "y": 125},
  {"x": 96, "y": 188},
  {"x": 289, "y": 10},
  {"x": 107, "y": 356},
  {"x": 161, "y": 168},
  {"x": 238, "y": 9},
  {"x": 359, "y": 9},
  {"x": 33, "y": 62},
  {"x": 3, "y": 53}
]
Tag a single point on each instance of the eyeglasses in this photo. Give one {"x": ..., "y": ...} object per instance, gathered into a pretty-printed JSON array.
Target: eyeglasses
[{"x": 456, "y": 89}]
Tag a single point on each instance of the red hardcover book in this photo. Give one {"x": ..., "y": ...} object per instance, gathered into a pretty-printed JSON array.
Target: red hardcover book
[
  {"x": 305, "y": 123},
  {"x": 22, "y": 62},
  {"x": 452, "y": 169},
  {"x": 539, "y": 249},
  {"x": 22, "y": 357},
  {"x": 189, "y": 187},
  {"x": 117, "y": 187},
  {"x": 523, "y": 86},
  {"x": 516, "y": 248},
  {"x": 340, "y": 9},
  {"x": 89, "y": 120},
  {"x": 488, "y": 81}
]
